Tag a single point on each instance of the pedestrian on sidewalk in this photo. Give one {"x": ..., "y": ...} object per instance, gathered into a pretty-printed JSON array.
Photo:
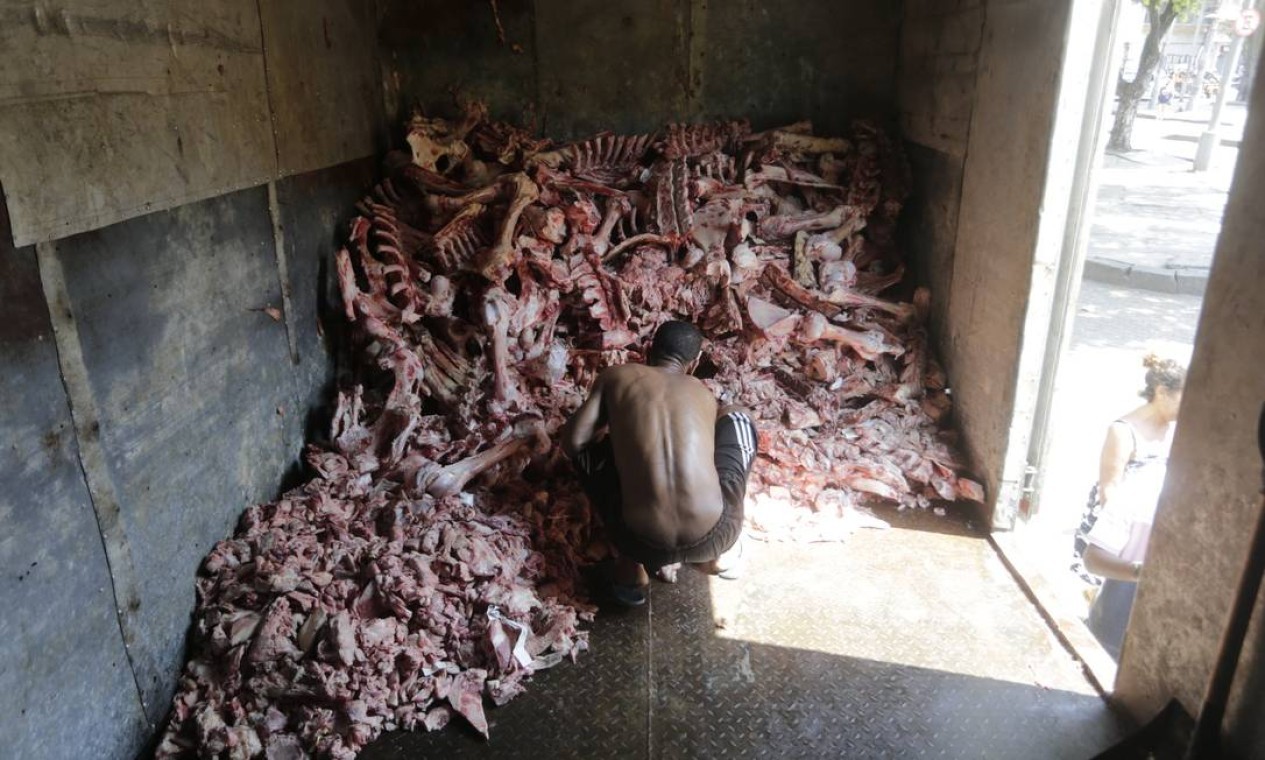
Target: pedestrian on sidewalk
[
  {"x": 1116, "y": 527},
  {"x": 1166, "y": 97}
]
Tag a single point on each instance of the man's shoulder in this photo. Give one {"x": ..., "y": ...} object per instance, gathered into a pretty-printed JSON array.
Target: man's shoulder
[{"x": 619, "y": 372}]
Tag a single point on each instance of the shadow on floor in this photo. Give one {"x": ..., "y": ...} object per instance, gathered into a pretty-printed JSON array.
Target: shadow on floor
[{"x": 900, "y": 643}]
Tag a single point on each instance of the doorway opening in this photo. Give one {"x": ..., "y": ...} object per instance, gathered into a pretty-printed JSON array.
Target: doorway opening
[{"x": 1142, "y": 230}]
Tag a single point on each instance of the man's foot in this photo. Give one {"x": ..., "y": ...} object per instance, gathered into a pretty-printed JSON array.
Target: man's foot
[
  {"x": 629, "y": 582},
  {"x": 727, "y": 565},
  {"x": 668, "y": 573}
]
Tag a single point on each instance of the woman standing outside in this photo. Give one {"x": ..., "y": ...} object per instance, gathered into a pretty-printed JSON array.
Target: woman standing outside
[{"x": 1131, "y": 476}]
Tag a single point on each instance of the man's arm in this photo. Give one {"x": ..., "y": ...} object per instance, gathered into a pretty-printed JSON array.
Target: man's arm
[
  {"x": 584, "y": 423},
  {"x": 1116, "y": 451},
  {"x": 1099, "y": 561}
]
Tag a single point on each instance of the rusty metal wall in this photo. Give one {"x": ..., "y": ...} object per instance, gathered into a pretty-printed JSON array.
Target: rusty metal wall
[{"x": 573, "y": 68}]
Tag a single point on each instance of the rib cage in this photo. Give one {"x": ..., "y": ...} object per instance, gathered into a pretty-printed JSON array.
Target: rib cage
[
  {"x": 456, "y": 245},
  {"x": 717, "y": 166},
  {"x": 689, "y": 140},
  {"x": 607, "y": 158}
]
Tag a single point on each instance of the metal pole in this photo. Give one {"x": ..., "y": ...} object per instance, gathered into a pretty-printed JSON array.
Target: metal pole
[{"x": 1210, "y": 139}]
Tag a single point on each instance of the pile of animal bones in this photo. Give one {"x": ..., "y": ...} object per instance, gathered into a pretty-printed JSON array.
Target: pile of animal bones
[{"x": 433, "y": 559}]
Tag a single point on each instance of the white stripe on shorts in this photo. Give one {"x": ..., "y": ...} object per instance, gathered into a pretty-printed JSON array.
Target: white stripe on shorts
[{"x": 746, "y": 436}]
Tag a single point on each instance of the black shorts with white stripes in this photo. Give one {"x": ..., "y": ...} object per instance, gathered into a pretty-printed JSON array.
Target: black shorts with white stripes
[{"x": 736, "y": 448}]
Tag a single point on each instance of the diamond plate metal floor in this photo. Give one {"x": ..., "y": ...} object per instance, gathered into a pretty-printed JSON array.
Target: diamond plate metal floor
[{"x": 910, "y": 642}]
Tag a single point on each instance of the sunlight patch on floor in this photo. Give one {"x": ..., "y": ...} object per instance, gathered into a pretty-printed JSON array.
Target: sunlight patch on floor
[{"x": 909, "y": 597}]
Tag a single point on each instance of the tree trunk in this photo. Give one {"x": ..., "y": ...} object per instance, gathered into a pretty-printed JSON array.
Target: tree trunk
[{"x": 1161, "y": 20}]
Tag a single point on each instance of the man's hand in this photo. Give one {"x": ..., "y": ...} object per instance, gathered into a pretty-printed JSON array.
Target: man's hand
[{"x": 530, "y": 427}]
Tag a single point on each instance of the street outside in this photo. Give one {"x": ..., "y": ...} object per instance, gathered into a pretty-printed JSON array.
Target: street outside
[{"x": 1153, "y": 217}]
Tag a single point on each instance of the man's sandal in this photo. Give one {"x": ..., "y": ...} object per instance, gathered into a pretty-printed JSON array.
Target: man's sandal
[
  {"x": 625, "y": 594},
  {"x": 629, "y": 596}
]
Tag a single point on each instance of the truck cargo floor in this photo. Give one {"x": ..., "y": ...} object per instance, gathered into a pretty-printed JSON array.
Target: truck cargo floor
[{"x": 908, "y": 642}]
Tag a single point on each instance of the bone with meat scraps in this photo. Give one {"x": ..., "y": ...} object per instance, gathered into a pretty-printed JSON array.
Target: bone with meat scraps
[
  {"x": 346, "y": 283},
  {"x": 868, "y": 344},
  {"x": 616, "y": 207},
  {"x": 775, "y": 173},
  {"x": 780, "y": 280},
  {"x": 786, "y": 225},
  {"x": 771, "y": 320},
  {"x": 458, "y": 240},
  {"x": 500, "y": 254},
  {"x": 449, "y": 372},
  {"x": 800, "y": 143},
  {"x": 429, "y": 181},
  {"x": 528, "y": 436},
  {"x": 801, "y": 265},
  {"x": 498, "y": 307},
  {"x": 451, "y": 204},
  {"x": 647, "y": 238},
  {"x": 549, "y": 224},
  {"x": 850, "y": 299}
]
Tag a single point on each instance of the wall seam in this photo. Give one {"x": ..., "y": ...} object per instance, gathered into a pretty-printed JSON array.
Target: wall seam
[
  {"x": 91, "y": 456},
  {"x": 986, "y": 511},
  {"x": 543, "y": 113},
  {"x": 272, "y": 111},
  {"x": 283, "y": 273}
]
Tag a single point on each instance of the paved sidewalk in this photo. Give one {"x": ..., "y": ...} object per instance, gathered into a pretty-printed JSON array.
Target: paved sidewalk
[{"x": 1156, "y": 221}]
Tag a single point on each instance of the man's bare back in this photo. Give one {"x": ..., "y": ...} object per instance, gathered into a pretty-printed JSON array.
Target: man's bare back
[
  {"x": 662, "y": 425},
  {"x": 665, "y": 472}
]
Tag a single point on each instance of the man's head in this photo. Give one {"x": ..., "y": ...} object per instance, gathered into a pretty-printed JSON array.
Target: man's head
[{"x": 676, "y": 342}]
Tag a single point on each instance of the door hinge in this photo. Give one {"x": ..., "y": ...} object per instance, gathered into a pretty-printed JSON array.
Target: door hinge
[{"x": 1027, "y": 491}]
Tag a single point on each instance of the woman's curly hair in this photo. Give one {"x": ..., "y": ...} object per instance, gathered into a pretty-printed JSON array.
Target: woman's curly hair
[{"x": 1164, "y": 373}]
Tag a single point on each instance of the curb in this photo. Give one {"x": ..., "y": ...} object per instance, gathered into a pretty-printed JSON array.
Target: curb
[{"x": 1183, "y": 282}]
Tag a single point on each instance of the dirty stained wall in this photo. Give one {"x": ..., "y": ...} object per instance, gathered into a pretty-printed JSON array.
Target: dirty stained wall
[
  {"x": 573, "y": 68},
  {"x": 1212, "y": 492},
  {"x": 1008, "y": 155},
  {"x": 163, "y": 364},
  {"x": 118, "y": 108},
  {"x": 939, "y": 52},
  {"x": 978, "y": 95}
]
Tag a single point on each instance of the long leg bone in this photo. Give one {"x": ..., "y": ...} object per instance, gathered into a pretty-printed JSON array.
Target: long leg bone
[
  {"x": 786, "y": 225},
  {"x": 868, "y": 344},
  {"x": 798, "y": 143},
  {"x": 498, "y": 307},
  {"x": 850, "y": 299},
  {"x": 529, "y": 436},
  {"x": 616, "y": 207},
  {"x": 500, "y": 254}
]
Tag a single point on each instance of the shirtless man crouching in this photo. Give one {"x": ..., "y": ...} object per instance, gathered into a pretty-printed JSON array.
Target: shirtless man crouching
[{"x": 670, "y": 474}]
